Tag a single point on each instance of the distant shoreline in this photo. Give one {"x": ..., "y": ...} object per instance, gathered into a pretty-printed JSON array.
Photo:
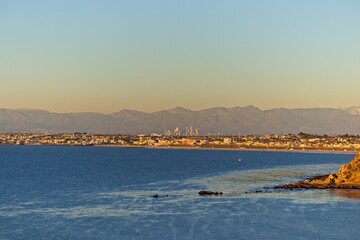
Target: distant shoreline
[
  {"x": 216, "y": 148},
  {"x": 233, "y": 149}
]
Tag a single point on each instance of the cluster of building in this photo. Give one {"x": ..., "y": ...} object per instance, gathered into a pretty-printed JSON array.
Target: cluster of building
[
  {"x": 299, "y": 141},
  {"x": 303, "y": 141},
  {"x": 74, "y": 139}
]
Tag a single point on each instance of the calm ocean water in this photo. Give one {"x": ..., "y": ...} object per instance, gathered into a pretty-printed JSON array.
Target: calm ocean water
[{"x": 106, "y": 193}]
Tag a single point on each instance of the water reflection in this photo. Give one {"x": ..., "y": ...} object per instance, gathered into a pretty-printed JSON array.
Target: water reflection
[{"x": 353, "y": 194}]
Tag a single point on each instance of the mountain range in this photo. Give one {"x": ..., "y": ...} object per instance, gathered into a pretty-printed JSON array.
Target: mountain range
[{"x": 227, "y": 121}]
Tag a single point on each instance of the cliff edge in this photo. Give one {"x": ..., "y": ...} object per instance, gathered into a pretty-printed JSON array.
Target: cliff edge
[{"x": 348, "y": 177}]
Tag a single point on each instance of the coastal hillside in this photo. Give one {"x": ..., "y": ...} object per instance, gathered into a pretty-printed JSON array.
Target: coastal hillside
[
  {"x": 228, "y": 121},
  {"x": 348, "y": 177}
]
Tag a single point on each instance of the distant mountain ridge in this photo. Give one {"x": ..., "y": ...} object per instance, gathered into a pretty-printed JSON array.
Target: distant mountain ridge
[{"x": 228, "y": 121}]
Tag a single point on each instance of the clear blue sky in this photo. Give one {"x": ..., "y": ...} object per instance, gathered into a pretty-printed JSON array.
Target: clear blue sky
[{"x": 106, "y": 55}]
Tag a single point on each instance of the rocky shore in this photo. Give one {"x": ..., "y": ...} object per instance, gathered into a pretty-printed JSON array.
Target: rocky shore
[{"x": 348, "y": 177}]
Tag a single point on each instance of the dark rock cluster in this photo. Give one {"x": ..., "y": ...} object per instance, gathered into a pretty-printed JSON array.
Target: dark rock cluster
[{"x": 206, "y": 192}]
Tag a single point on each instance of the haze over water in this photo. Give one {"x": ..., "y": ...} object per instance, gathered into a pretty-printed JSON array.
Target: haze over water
[{"x": 106, "y": 193}]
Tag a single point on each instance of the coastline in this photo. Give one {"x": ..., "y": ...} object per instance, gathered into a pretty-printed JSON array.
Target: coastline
[
  {"x": 215, "y": 148},
  {"x": 347, "y": 177},
  {"x": 287, "y": 143},
  {"x": 233, "y": 149}
]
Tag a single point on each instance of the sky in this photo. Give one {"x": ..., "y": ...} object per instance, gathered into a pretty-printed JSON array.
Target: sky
[{"x": 108, "y": 55}]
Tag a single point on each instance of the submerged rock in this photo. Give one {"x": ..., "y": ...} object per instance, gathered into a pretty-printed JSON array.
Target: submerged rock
[
  {"x": 205, "y": 192},
  {"x": 348, "y": 177},
  {"x": 157, "y": 195}
]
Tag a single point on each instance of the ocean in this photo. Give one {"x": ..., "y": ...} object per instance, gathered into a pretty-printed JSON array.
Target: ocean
[{"x": 53, "y": 192}]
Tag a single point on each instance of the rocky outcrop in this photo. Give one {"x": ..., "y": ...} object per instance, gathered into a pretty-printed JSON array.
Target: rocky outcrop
[
  {"x": 349, "y": 173},
  {"x": 348, "y": 177}
]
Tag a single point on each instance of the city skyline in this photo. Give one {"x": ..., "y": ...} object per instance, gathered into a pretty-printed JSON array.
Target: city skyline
[{"x": 104, "y": 56}]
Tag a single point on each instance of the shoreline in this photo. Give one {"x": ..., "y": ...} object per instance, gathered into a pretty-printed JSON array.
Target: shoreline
[
  {"x": 248, "y": 149},
  {"x": 205, "y": 148},
  {"x": 222, "y": 148}
]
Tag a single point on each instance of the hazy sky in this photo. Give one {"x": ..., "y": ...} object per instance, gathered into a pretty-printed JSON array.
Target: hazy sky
[{"x": 103, "y": 56}]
